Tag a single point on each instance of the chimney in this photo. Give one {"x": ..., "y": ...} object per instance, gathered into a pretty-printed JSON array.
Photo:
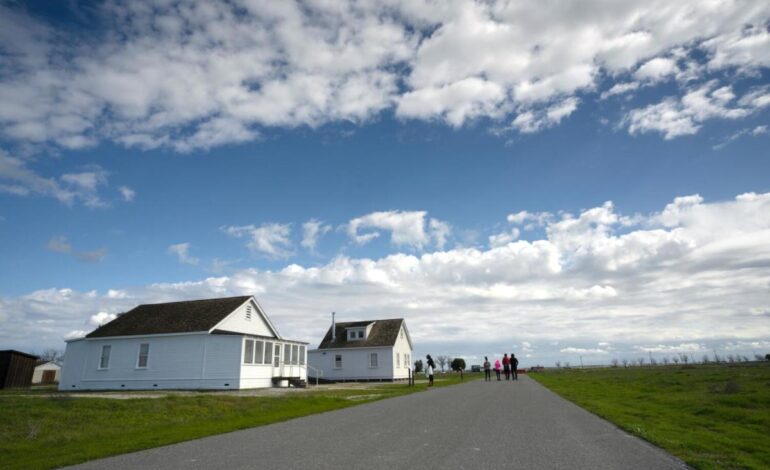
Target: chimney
[{"x": 334, "y": 329}]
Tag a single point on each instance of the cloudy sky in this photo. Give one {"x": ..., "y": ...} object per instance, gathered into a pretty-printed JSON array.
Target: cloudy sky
[{"x": 552, "y": 179}]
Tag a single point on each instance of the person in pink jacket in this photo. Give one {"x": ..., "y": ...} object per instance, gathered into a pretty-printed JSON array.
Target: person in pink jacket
[{"x": 497, "y": 368}]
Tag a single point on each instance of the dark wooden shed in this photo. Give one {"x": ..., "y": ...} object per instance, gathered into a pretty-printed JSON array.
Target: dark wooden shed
[{"x": 16, "y": 369}]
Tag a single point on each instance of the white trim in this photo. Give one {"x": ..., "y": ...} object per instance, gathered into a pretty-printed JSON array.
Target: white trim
[
  {"x": 101, "y": 356},
  {"x": 151, "y": 335},
  {"x": 139, "y": 355},
  {"x": 351, "y": 348},
  {"x": 259, "y": 310}
]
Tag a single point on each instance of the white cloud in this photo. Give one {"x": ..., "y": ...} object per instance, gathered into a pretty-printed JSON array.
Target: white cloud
[
  {"x": 188, "y": 75},
  {"x": 182, "y": 251},
  {"x": 619, "y": 89},
  {"x": 271, "y": 239},
  {"x": 127, "y": 193},
  {"x": 504, "y": 238},
  {"x": 656, "y": 69},
  {"x": 93, "y": 256},
  {"x": 311, "y": 231},
  {"x": 101, "y": 318},
  {"x": 407, "y": 228},
  {"x": 61, "y": 244},
  {"x": 691, "y": 275},
  {"x": 674, "y": 118}
]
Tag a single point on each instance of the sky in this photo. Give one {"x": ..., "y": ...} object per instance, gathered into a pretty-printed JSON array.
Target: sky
[{"x": 568, "y": 182}]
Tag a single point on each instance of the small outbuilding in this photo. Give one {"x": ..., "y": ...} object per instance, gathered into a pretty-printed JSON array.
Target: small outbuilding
[
  {"x": 16, "y": 369},
  {"x": 227, "y": 344},
  {"x": 47, "y": 372},
  {"x": 363, "y": 351}
]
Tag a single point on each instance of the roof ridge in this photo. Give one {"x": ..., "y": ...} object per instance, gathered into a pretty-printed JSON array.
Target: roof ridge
[{"x": 198, "y": 300}]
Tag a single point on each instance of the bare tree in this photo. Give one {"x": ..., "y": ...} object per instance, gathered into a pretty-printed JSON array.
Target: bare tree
[
  {"x": 614, "y": 362},
  {"x": 665, "y": 361},
  {"x": 705, "y": 359},
  {"x": 730, "y": 358},
  {"x": 52, "y": 355},
  {"x": 640, "y": 361},
  {"x": 653, "y": 362},
  {"x": 685, "y": 359},
  {"x": 758, "y": 357},
  {"x": 566, "y": 365},
  {"x": 558, "y": 364},
  {"x": 442, "y": 361},
  {"x": 675, "y": 359},
  {"x": 625, "y": 363}
]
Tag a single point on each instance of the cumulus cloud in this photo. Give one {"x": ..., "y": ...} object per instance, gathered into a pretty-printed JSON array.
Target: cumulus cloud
[
  {"x": 311, "y": 231},
  {"x": 690, "y": 276},
  {"x": 271, "y": 239},
  {"x": 182, "y": 251},
  {"x": 674, "y": 118},
  {"x": 407, "y": 228},
  {"x": 59, "y": 244},
  {"x": 189, "y": 75}
]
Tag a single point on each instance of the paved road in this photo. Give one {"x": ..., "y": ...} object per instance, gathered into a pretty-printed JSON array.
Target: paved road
[{"x": 475, "y": 425}]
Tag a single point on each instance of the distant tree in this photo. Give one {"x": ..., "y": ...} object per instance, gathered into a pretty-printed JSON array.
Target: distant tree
[
  {"x": 458, "y": 364},
  {"x": 759, "y": 357},
  {"x": 675, "y": 359},
  {"x": 418, "y": 366},
  {"x": 684, "y": 358},
  {"x": 730, "y": 358},
  {"x": 51, "y": 354},
  {"x": 625, "y": 363},
  {"x": 614, "y": 362},
  {"x": 442, "y": 361},
  {"x": 767, "y": 357},
  {"x": 653, "y": 362},
  {"x": 665, "y": 361},
  {"x": 566, "y": 365},
  {"x": 640, "y": 361},
  {"x": 558, "y": 364},
  {"x": 705, "y": 359}
]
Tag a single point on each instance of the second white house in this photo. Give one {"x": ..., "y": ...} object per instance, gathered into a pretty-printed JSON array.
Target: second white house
[{"x": 363, "y": 350}]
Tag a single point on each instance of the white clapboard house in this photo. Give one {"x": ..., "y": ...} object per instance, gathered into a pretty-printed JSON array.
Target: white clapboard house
[
  {"x": 227, "y": 343},
  {"x": 363, "y": 350}
]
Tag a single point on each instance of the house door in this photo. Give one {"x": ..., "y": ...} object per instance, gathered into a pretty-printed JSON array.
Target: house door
[{"x": 49, "y": 376}]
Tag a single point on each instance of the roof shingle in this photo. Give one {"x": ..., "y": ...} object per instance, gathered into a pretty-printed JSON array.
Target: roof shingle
[
  {"x": 172, "y": 317},
  {"x": 383, "y": 333}
]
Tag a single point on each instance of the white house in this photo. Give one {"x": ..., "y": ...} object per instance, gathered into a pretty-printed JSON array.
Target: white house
[
  {"x": 364, "y": 350},
  {"x": 227, "y": 343},
  {"x": 46, "y": 373}
]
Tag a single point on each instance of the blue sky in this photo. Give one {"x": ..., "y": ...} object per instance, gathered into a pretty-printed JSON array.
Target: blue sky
[{"x": 453, "y": 165}]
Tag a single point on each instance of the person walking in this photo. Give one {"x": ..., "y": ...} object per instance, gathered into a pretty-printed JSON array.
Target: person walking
[
  {"x": 507, "y": 366},
  {"x": 487, "y": 370},
  {"x": 431, "y": 366},
  {"x": 497, "y": 368},
  {"x": 514, "y": 366}
]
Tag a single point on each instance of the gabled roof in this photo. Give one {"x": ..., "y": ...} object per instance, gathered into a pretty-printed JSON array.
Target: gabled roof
[
  {"x": 383, "y": 333},
  {"x": 172, "y": 317}
]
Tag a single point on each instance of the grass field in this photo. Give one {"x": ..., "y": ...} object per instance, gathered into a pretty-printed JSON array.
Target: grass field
[
  {"x": 43, "y": 430},
  {"x": 710, "y": 416}
]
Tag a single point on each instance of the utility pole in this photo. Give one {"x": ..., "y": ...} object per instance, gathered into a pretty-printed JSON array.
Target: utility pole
[{"x": 581, "y": 362}]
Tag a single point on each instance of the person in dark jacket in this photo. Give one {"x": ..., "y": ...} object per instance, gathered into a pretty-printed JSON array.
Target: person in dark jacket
[
  {"x": 514, "y": 366},
  {"x": 487, "y": 370},
  {"x": 430, "y": 367},
  {"x": 507, "y": 366}
]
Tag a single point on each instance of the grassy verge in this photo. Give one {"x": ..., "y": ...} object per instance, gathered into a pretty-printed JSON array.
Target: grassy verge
[
  {"x": 710, "y": 416},
  {"x": 39, "y": 430}
]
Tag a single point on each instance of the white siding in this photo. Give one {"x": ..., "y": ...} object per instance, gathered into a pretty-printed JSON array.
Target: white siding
[
  {"x": 237, "y": 322},
  {"x": 355, "y": 363},
  {"x": 175, "y": 362},
  {"x": 402, "y": 347},
  {"x": 37, "y": 375}
]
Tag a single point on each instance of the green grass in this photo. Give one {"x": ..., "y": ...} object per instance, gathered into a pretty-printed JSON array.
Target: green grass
[
  {"x": 710, "y": 416},
  {"x": 39, "y": 430}
]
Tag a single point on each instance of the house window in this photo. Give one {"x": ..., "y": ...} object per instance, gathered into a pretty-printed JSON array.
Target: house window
[
  {"x": 402, "y": 334},
  {"x": 277, "y": 355},
  {"x": 360, "y": 334},
  {"x": 248, "y": 352},
  {"x": 144, "y": 356},
  {"x": 268, "y": 353},
  {"x": 287, "y": 353},
  {"x": 248, "y": 312},
  {"x": 351, "y": 335},
  {"x": 104, "y": 359},
  {"x": 372, "y": 360},
  {"x": 295, "y": 354},
  {"x": 258, "y": 348},
  {"x": 338, "y": 361},
  {"x": 302, "y": 355},
  {"x": 398, "y": 359}
]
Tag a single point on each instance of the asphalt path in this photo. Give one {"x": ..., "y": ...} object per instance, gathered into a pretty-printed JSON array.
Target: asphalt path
[{"x": 475, "y": 425}]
